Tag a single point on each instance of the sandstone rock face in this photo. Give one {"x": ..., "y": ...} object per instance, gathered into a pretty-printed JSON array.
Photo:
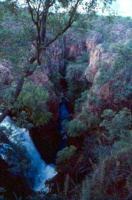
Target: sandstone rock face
[
  {"x": 97, "y": 56},
  {"x": 71, "y": 46},
  {"x": 102, "y": 57},
  {"x": 74, "y": 48},
  {"x": 92, "y": 73},
  {"x": 53, "y": 104},
  {"x": 93, "y": 39}
]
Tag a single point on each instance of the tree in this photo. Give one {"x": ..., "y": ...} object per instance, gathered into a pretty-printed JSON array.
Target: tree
[
  {"x": 76, "y": 128},
  {"x": 36, "y": 112},
  {"x": 64, "y": 157},
  {"x": 118, "y": 124},
  {"x": 49, "y": 20}
]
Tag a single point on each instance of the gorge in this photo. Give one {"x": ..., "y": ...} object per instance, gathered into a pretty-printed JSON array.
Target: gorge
[
  {"x": 37, "y": 171},
  {"x": 68, "y": 135}
]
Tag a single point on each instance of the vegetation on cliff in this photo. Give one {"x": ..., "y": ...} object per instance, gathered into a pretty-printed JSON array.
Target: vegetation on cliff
[
  {"x": 91, "y": 65},
  {"x": 102, "y": 131}
]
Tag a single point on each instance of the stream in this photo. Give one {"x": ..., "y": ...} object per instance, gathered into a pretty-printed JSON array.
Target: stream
[
  {"x": 64, "y": 117},
  {"x": 18, "y": 149},
  {"x": 20, "y": 153}
]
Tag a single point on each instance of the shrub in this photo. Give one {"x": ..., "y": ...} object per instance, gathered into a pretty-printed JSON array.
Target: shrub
[
  {"x": 90, "y": 119},
  {"x": 106, "y": 46},
  {"x": 118, "y": 77},
  {"x": 30, "y": 105},
  {"x": 79, "y": 102},
  {"x": 76, "y": 81},
  {"x": 117, "y": 124},
  {"x": 83, "y": 58},
  {"x": 112, "y": 179},
  {"x": 55, "y": 79},
  {"x": 121, "y": 87},
  {"x": 76, "y": 128},
  {"x": 64, "y": 156}
]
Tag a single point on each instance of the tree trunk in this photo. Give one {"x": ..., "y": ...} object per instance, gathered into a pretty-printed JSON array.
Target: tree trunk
[
  {"x": 15, "y": 96},
  {"x": 18, "y": 90}
]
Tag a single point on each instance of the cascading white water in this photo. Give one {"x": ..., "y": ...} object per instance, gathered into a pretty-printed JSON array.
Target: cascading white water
[{"x": 37, "y": 171}]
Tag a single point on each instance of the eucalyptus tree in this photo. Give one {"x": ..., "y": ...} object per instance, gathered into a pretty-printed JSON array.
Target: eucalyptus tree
[{"x": 47, "y": 21}]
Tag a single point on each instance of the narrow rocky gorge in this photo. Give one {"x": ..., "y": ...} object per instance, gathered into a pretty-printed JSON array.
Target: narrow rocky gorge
[{"x": 84, "y": 90}]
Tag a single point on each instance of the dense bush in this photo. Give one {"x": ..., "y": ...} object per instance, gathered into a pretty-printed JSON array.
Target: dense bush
[
  {"x": 76, "y": 81},
  {"x": 30, "y": 107},
  {"x": 106, "y": 46},
  {"x": 79, "y": 102},
  {"x": 76, "y": 128},
  {"x": 90, "y": 119},
  {"x": 122, "y": 86},
  {"x": 117, "y": 124},
  {"x": 55, "y": 78},
  {"x": 83, "y": 58},
  {"x": 64, "y": 156},
  {"x": 117, "y": 78}
]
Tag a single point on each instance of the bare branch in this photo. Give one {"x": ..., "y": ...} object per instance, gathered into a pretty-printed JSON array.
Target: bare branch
[{"x": 70, "y": 22}]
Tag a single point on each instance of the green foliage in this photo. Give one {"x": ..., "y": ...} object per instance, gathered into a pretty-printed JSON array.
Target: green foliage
[
  {"x": 104, "y": 73},
  {"x": 90, "y": 119},
  {"x": 7, "y": 8},
  {"x": 129, "y": 44},
  {"x": 127, "y": 21},
  {"x": 117, "y": 124},
  {"x": 79, "y": 102},
  {"x": 64, "y": 156},
  {"x": 106, "y": 45},
  {"x": 75, "y": 76},
  {"x": 122, "y": 88},
  {"x": 84, "y": 58},
  {"x": 107, "y": 144},
  {"x": 93, "y": 98},
  {"x": 113, "y": 166},
  {"x": 103, "y": 30},
  {"x": 76, "y": 128},
  {"x": 118, "y": 76},
  {"x": 81, "y": 26},
  {"x": 93, "y": 121},
  {"x": 76, "y": 82},
  {"x": 17, "y": 33},
  {"x": 123, "y": 144},
  {"x": 55, "y": 78},
  {"x": 12, "y": 47},
  {"x": 2, "y": 9},
  {"x": 30, "y": 105},
  {"x": 115, "y": 48},
  {"x": 75, "y": 71}
]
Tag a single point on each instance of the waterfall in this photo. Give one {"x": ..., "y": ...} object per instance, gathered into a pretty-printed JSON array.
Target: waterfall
[{"x": 18, "y": 149}]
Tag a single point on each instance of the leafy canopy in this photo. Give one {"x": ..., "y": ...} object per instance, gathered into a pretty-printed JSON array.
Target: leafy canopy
[
  {"x": 118, "y": 124},
  {"x": 31, "y": 105},
  {"x": 76, "y": 128}
]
